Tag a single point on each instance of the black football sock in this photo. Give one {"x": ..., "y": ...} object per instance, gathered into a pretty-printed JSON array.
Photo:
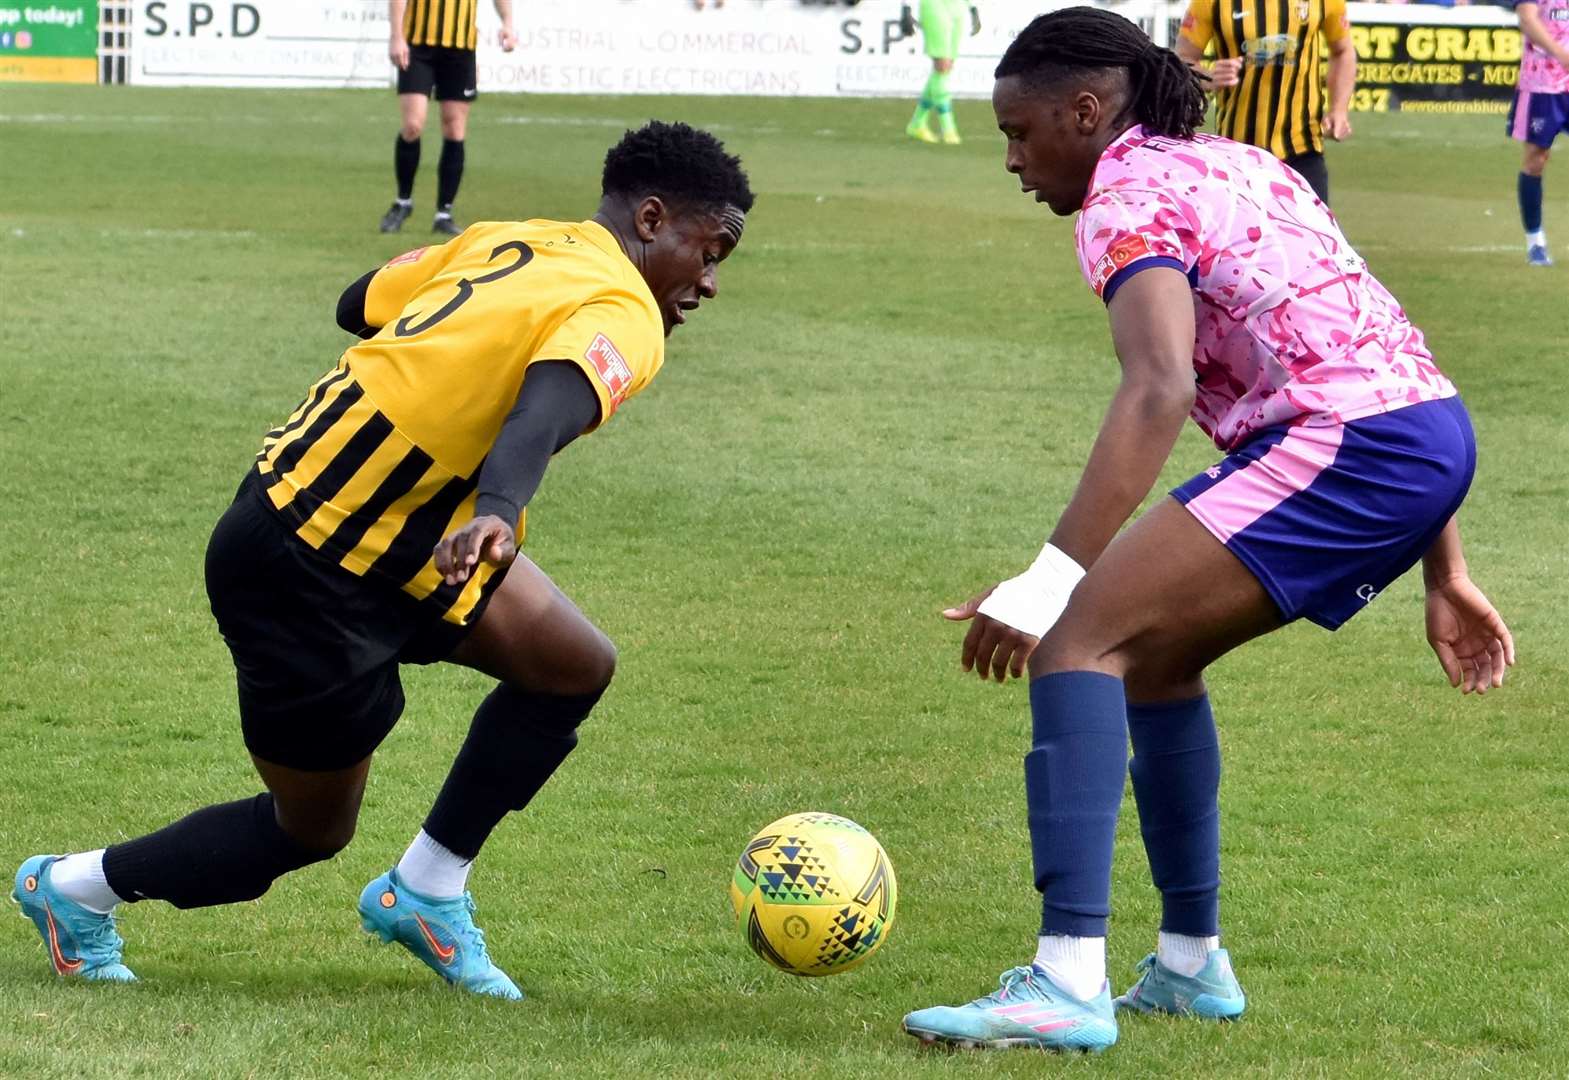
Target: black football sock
[
  {"x": 218, "y": 855},
  {"x": 449, "y": 174},
  {"x": 517, "y": 740},
  {"x": 405, "y": 163}
]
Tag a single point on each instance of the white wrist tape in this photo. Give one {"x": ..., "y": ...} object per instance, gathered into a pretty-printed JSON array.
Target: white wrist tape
[{"x": 1033, "y": 601}]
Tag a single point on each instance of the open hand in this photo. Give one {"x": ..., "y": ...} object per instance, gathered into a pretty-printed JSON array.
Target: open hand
[
  {"x": 992, "y": 649},
  {"x": 1473, "y": 644},
  {"x": 485, "y": 538}
]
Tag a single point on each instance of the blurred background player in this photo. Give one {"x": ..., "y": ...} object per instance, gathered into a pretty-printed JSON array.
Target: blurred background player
[
  {"x": 379, "y": 526},
  {"x": 1540, "y": 109},
  {"x": 942, "y": 24},
  {"x": 433, "y": 46},
  {"x": 1267, "y": 75},
  {"x": 1232, "y": 298}
]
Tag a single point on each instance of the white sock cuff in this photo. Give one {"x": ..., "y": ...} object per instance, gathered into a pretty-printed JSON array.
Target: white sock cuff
[
  {"x": 80, "y": 879},
  {"x": 1077, "y": 964},
  {"x": 432, "y": 870},
  {"x": 1063, "y": 949},
  {"x": 1184, "y": 953}
]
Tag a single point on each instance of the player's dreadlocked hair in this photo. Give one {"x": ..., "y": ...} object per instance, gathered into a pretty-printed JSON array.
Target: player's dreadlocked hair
[
  {"x": 678, "y": 163},
  {"x": 1167, "y": 97}
]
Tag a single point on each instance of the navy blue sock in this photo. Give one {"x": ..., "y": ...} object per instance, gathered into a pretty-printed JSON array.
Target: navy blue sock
[
  {"x": 1073, "y": 780},
  {"x": 1176, "y": 783},
  {"x": 1530, "y": 189}
]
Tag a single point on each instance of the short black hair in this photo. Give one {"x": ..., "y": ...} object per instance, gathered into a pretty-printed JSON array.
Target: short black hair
[
  {"x": 680, "y": 164},
  {"x": 1166, "y": 96}
]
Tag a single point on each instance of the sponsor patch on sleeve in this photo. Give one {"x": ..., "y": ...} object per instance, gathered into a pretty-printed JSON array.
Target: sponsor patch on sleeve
[
  {"x": 1190, "y": 20},
  {"x": 1126, "y": 250},
  {"x": 611, "y": 367},
  {"x": 408, "y": 257}
]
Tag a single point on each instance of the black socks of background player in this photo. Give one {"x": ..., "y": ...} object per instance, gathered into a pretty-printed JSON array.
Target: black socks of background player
[
  {"x": 405, "y": 163},
  {"x": 218, "y": 855},
  {"x": 449, "y": 170},
  {"x": 449, "y": 174},
  {"x": 517, "y": 740}
]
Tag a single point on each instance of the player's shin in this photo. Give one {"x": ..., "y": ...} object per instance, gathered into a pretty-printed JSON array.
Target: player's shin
[
  {"x": 449, "y": 174},
  {"x": 405, "y": 164},
  {"x": 218, "y": 855},
  {"x": 1529, "y": 191},
  {"x": 1176, "y": 784},
  {"x": 942, "y": 98},
  {"x": 927, "y": 102},
  {"x": 517, "y": 740},
  {"x": 1073, "y": 779}
]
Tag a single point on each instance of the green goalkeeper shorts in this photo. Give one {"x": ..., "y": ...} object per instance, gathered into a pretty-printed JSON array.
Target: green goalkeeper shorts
[{"x": 943, "y": 23}]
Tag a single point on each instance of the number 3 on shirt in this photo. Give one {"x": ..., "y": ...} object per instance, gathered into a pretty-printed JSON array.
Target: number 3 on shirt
[{"x": 406, "y": 326}]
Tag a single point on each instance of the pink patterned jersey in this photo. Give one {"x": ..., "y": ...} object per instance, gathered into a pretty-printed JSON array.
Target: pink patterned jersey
[
  {"x": 1539, "y": 72},
  {"x": 1290, "y": 324}
]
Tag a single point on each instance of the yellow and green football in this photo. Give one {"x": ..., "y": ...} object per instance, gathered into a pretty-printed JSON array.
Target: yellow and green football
[{"x": 814, "y": 893}]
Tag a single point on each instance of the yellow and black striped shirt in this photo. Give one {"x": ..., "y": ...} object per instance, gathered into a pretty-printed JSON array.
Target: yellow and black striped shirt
[
  {"x": 1279, "y": 102},
  {"x": 448, "y": 23},
  {"x": 382, "y": 458}
]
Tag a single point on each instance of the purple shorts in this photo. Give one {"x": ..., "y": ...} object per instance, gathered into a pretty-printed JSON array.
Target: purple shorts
[
  {"x": 1327, "y": 516},
  {"x": 1538, "y": 118}
]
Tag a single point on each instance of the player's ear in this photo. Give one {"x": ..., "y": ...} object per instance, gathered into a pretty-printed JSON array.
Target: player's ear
[
  {"x": 651, "y": 214},
  {"x": 1086, "y": 111}
]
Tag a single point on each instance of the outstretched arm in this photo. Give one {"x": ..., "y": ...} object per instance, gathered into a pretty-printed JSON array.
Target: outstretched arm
[
  {"x": 1152, "y": 329},
  {"x": 1473, "y": 645},
  {"x": 555, "y": 405}
]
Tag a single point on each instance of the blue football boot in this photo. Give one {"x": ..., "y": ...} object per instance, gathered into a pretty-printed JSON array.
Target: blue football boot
[
  {"x": 1026, "y": 1009},
  {"x": 440, "y": 932},
  {"x": 80, "y": 942},
  {"x": 1213, "y": 994},
  {"x": 1536, "y": 255}
]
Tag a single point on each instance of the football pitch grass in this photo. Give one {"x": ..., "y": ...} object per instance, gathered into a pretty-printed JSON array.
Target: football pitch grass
[{"x": 883, "y": 411}]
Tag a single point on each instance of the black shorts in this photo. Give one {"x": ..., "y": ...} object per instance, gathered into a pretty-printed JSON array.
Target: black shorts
[
  {"x": 316, "y": 648},
  {"x": 1313, "y": 169},
  {"x": 451, "y": 72}
]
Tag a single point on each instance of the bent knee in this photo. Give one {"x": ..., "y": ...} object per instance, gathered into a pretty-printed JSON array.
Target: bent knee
[
  {"x": 1072, "y": 646},
  {"x": 586, "y": 673},
  {"x": 589, "y": 675}
]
